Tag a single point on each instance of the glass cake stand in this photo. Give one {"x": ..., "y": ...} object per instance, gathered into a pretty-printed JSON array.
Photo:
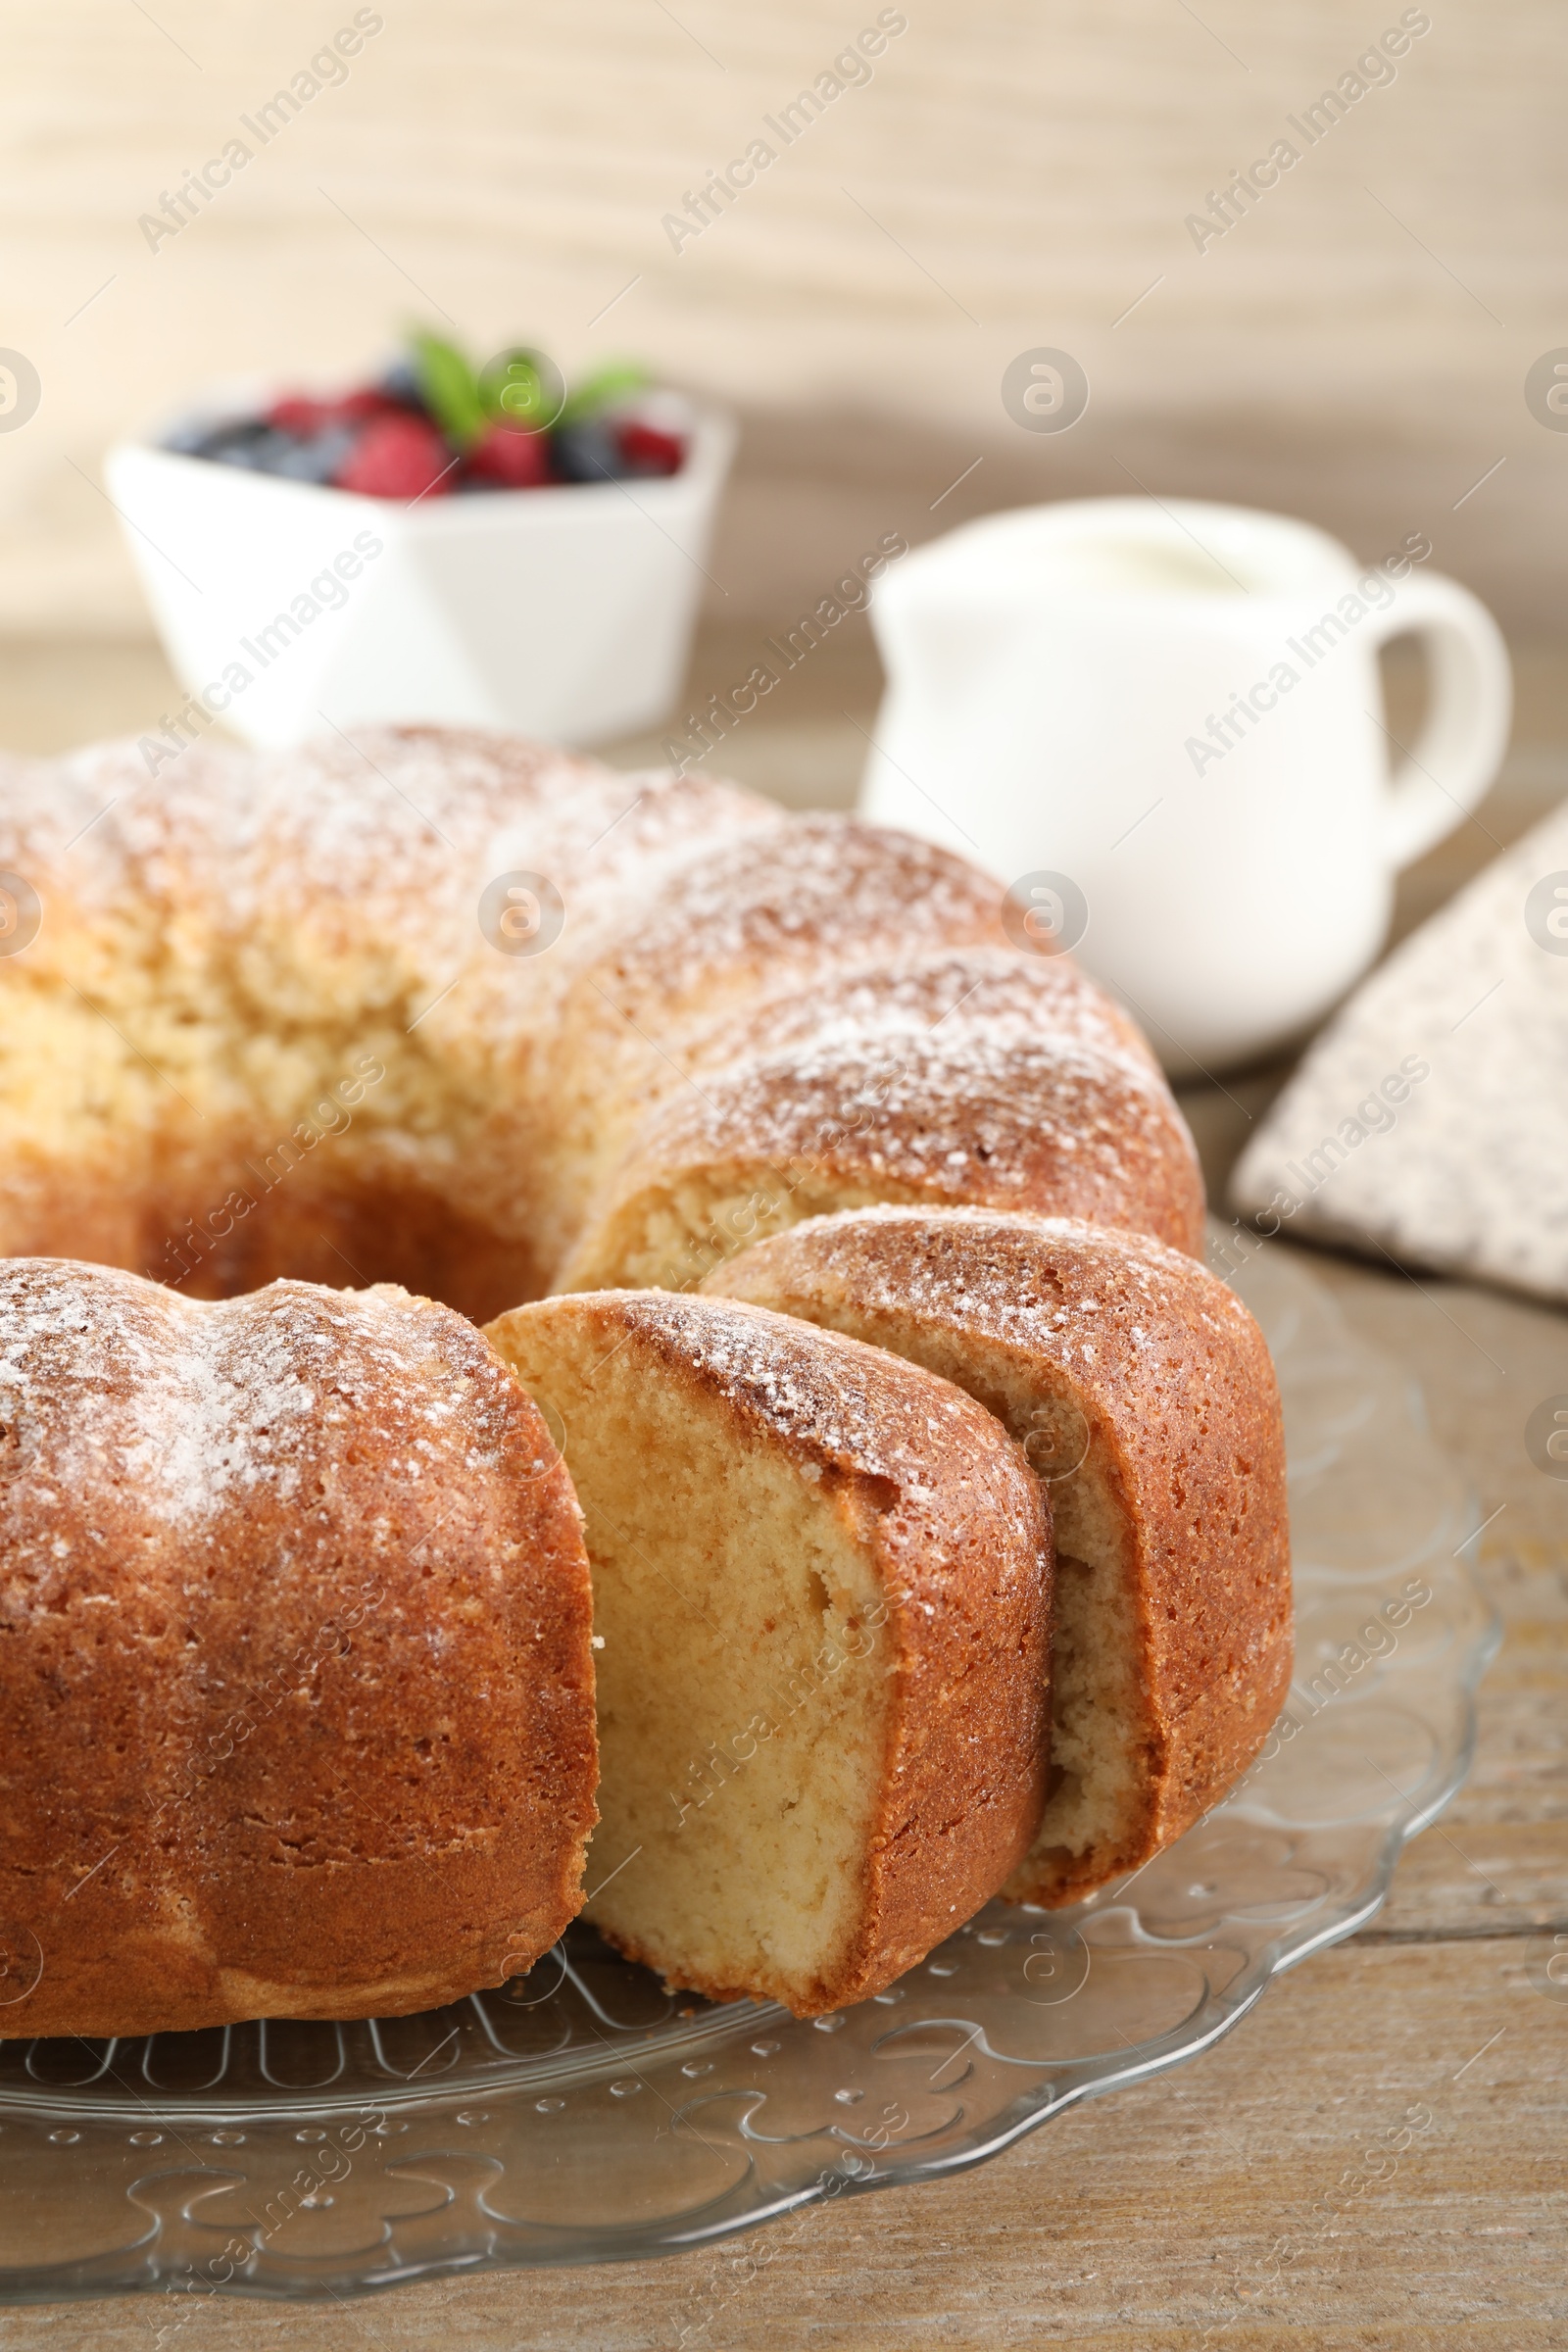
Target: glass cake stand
[{"x": 583, "y": 2115}]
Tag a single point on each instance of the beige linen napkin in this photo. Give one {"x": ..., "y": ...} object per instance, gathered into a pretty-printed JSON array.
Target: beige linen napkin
[{"x": 1431, "y": 1117}]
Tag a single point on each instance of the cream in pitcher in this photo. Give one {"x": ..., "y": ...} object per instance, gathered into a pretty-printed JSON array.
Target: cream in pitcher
[{"x": 1163, "y": 723}]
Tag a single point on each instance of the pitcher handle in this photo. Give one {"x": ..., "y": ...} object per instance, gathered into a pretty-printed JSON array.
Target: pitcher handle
[{"x": 1463, "y": 739}]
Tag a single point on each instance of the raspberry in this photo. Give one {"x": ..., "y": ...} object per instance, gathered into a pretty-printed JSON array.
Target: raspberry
[
  {"x": 508, "y": 460},
  {"x": 299, "y": 413},
  {"x": 646, "y": 450},
  {"x": 397, "y": 457}
]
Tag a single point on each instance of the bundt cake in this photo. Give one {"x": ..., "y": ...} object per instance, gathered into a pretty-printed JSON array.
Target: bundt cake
[
  {"x": 296, "y": 1686},
  {"x": 1142, "y": 1392},
  {"x": 456, "y": 1012},
  {"x": 294, "y": 1602},
  {"x": 821, "y": 1583}
]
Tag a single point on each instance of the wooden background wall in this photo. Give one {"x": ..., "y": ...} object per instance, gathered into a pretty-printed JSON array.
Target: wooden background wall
[{"x": 1016, "y": 173}]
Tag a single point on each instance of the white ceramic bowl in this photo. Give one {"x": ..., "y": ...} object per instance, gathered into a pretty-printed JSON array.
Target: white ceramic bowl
[{"x": 564, "y": 612}]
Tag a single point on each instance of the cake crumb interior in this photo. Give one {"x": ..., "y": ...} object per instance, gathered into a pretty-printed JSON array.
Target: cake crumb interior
[{"x": 745, "y": 1675}]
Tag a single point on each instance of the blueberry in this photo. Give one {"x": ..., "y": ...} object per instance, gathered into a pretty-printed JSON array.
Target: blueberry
[
  {"x": 270, "y": 450},
  {"x": 221, "y": 442},
  {"x": 318, "y": 458},
  {"x": 255, "y": 447},
  {"x": 401, "y": 383},
  {"x": 195, "y": 439},
  {"x": 586, "y": 453}
]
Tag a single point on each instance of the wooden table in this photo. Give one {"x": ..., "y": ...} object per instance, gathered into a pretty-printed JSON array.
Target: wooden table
[{"x": 1233, "y": 2203}]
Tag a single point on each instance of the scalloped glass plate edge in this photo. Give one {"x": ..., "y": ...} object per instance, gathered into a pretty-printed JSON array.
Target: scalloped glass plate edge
[{"x": 600, "y": 2121}]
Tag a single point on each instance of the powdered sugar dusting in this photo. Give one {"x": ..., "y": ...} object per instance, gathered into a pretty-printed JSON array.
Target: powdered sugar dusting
[
  {"x": 822, "y": 889},
  {"x": 1049, "y": 1284},
  {"x": 992, "y": 1101},
  {"x": 382, "y": 841},
  {"x": 979, "y": 994},
  {"x": 846, "y": 1407},
  {"x": 252, "y": 927},
  {"x": 188, "y": 1409}
]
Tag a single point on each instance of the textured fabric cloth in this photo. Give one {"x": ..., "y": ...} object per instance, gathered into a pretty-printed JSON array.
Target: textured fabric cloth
[{"x": 1431, "y": 1117}]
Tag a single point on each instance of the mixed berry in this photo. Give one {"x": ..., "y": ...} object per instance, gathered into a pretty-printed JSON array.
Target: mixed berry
[{"x": 434, "y": 424}]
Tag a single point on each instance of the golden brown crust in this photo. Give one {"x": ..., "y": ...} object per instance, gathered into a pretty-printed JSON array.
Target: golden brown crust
[
  {"x": 763, "y": 917},
  {"x": 295, "y": 1676},
  {"x": 958, "y": 1535},
  {"x": 1178, "y": 1394},
  {"x": 733, "y": 935},
  {"x": 986, "y": 1077}
]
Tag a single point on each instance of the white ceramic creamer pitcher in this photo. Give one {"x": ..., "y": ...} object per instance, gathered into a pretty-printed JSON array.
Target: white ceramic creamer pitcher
[{"x": 1162, "y": 725}]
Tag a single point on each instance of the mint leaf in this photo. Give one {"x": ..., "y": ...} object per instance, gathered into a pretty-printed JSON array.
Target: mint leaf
[
  {"x": 605, "y": 385},
  {"x": 448, "y": 389}
]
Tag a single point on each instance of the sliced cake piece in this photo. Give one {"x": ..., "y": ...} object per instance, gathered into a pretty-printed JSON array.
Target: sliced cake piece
[
  {"x": 822, "y": 1582},
  {"x": 1143, "y": 1394}
]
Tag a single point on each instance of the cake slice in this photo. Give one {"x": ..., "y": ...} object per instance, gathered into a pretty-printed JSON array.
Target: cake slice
[
  {"x": 821, "y": 1583},
  {"x": 1142, "y": 1392}
]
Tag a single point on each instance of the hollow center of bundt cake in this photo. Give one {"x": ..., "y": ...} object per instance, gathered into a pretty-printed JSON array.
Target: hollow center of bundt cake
[
  {"x": 741, "y": 1685},
  {"x": 192, "y": 1123}
]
